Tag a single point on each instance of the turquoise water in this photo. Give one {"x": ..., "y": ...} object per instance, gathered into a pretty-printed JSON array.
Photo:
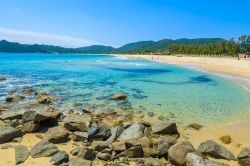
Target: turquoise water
[{"x": 89, "y": 80}]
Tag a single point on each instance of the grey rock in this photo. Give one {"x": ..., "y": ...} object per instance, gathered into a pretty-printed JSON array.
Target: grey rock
[
  {"x": 18, "y": 139},
  {"x": 80, "y": 136},
  {"x": 104, "y": 156},
  {"x": 11, "y": 115},
  {"x": 87, "y": 154},
  {"x": 163, "y": 144},
  {"x": 115, "y": 133},
  {"x": 57, "y": 135},
  {"x": 100, "y": 145},
  {"x": 153, "y": 162},
  {"x": 75, "y": 151},
  {"x": 244, "y": 157},
  {"x": 7, "y": 134},
  {"x": 214, "y": 163},
  {"x": 164, "y": 127},
  {"x": 60, "y": 158},
  {"x": 75, "y": 125},
  {"x": 21, "y": 153},
  {"x": 213, "y": 149},
  {"x": 79, "y": 162},
  {"x": 134, "y": 152},
  {"x": 43, "y": 149},
  {"x": 103, "y": 133},
  {"x": 136, "y": 130},
  {"x": 30, "y": 126},
  {"x": 177, "y": 153},
  {"x": 193, "y": 159}
]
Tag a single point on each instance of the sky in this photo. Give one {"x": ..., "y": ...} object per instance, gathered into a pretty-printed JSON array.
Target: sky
[{"x": 76, "y": 23}]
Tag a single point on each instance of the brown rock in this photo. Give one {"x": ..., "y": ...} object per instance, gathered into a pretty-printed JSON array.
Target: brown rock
[
  {"x": 226, "y": 139},
  {"x": 28, "y": 91},
  {"x": 119, "y": 96},
  {"x": 195, "y": 126},
  {"x": 56, "y": 135},
  {"x": 16, "y": 98}
]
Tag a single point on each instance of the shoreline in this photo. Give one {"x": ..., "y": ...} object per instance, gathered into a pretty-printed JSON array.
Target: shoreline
[{"x": 237, "y": 128}]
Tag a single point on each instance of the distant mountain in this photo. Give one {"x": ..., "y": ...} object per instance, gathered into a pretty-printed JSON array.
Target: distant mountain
[{"x": 136, "y": 47}]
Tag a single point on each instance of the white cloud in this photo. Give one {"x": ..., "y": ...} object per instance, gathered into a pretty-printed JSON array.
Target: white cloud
[{"x": 30, "y": 37}]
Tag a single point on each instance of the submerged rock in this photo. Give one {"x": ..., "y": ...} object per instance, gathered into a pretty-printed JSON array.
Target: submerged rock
[
  {"x": 2, "y": 79},
  {"x": 7, "y": 134},
  {"x": 45, "y": 98},
  {"x": 21, "y": 153},
  {"x": 43, "y": 149},
  {"x": 28, "y": 91},
  {"x": 16, "y": 98},
  {"x": 244, "y": 157},
  {"x": 119, "y": 96},
  {"x": 177, "y": 153},
  {"x": 212, "y": 149},
  {"x": 164, "y": 127}
]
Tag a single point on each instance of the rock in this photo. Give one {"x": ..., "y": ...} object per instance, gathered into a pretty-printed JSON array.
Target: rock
[
  {"x": 163, "y": 144},
  {"x": 214, "y": 163},
  {"x": 12, "y": 91},
  {"x": 45, "y": 98},
  {"x": 87, "y": 154},
  {"x": 134, "y": 152},
  {"x": 21, "y": 153},
  {"x": 43, "y": 149},
  {"x": 212, "y": 149},
  {"x": 103, "y": 133},
  {"x": 150, "y": 114},
  {"x": 3, "y": 107},
  {"x": 56, "y": 135},
  {"x": 7, "y": 134},
  {"x": 75, "y": 151},
  {"x": 195, "y": 126},
  {"x": 193, "y": 159},
  {"x": 143, "y": 142},
  {"x": 28, "y": 91},
  {"x": 104, "y": 156},
  {"x": 164, "y": 127},
  {"x": 136, "y": 130},
  {"x": 18, "y": 139},
  {"x": 115, "y": 133},
  {"x": 45, "y": 117},
  {"x": 30, "y": 126},
  {"x": 2, "y": 79},
  {"x": 119, "y": 146},
  {"x": 60, "y": 158},
  {"x": 11, "y": 115},
  {"x": 177, "y": 153},
  {"x": 152, "y": 162},
  {"x": 80, "y": 136},
  {"x": 79, "y": 162},
  {"x": 99, "y": 145},
  {"x": 226, "y": 139},
  {"x": 244, "y": 157},
  {"x": 75, "y": 125},
  {"x": 149, "y": 152},
  {"x": 119, "y": 96},
  {"x": 12, "y": 99}
]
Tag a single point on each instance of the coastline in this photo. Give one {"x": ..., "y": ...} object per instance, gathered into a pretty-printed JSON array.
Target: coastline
[{"x": 230, "y": 68}]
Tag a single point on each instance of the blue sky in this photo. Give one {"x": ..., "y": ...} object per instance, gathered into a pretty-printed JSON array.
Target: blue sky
[{"x": 74, "y": 23}]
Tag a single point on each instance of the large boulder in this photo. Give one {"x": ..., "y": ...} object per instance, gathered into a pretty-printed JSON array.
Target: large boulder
[
  {"x": 193, "y": 159},
  {"x": 244, "y": 157},
  {"x": 21, "y": 153},
  {"x": 43, "y": 149},
  {"x": 7, "y": 134},
  {"x": 49, "y": 118},
  {"x": 153, "y": 162},
  {"x": 79, "y": 162},
  {"x": 60, "y": 158},
  {"x": 213, "y": 149},
  {"x": 177, "y": 153},
  {"x": 163, "y": 144},
  {"x": 136, "y": 130},
  {"x": 164, "y": 127},
  {"x": 56, "y": 135},
  {"x": 11, "y": 99}
]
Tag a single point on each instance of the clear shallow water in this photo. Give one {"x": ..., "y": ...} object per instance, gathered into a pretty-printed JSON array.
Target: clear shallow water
[{"x": 89, "y": 80}]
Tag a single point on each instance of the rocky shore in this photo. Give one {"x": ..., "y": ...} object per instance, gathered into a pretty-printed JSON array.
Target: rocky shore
[{"x": 106, "y": 138}]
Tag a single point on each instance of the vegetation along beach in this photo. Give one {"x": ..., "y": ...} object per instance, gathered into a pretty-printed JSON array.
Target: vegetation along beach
[{"x": 158, "y": 83}]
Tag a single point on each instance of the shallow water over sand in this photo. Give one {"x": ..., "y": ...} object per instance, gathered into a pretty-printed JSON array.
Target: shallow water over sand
[{"x": 82, "y": 81}]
